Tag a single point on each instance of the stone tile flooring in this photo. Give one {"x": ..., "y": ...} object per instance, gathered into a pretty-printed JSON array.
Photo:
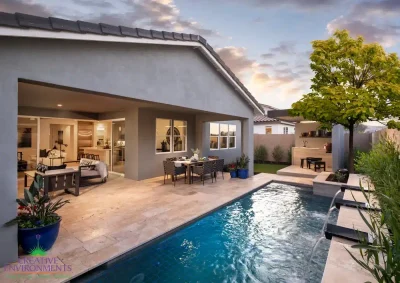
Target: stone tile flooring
[{"x": 108, "y": 220}]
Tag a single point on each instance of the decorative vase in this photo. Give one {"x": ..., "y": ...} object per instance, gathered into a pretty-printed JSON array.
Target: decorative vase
[
  {"x": 196, "y": 156},
  {"x": 243, "y": 173},
  {"x": 42, "y": 237},
  {"x": 233, "y": 174}
]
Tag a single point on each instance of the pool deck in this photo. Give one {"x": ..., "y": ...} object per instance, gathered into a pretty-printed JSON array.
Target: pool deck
[{"x": 111, "y": 219}]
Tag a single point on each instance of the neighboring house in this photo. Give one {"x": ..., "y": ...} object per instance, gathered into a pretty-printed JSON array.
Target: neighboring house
[
  {"x": 266, "y": 125},
  {"x": 159, "y": 91}
]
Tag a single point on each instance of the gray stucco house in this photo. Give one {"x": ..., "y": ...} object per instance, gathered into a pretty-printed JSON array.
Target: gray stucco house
[{"x": 104, "y": 72}]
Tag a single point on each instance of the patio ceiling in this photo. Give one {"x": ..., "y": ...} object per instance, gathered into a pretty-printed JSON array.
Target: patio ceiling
[{"x": 36, "y": 95}]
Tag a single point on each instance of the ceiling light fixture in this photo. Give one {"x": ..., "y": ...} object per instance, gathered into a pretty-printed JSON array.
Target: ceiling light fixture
[{"x": 59, "y": 105}]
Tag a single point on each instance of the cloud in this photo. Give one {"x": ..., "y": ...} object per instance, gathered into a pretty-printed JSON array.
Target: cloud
[
  {"x": 284, "y": 47},
  {"x": 155, "y": 14},
  {"x": 266, "y": 65},
  {"x": 387, "y": 35},
  {"x": 374, "y": 20},
  {"x": 300, "y": 4},
  {"x": 260, "y": 78},
  {"x": 237, "y": 60},
  {"x": 377, "y": 8},
  {"x": 13, "y": 6},
  {"x": 267, "y": 55},
  {"x": 282, "y": 64}
]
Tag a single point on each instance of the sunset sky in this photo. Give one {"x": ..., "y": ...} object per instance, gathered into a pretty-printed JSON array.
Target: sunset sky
[{"x": 265, "y": 42}]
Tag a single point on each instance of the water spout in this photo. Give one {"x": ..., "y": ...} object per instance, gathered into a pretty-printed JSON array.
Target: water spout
[
  {"x": 327, "y": 219},
  {"x": 334, "y": 197},
  {"x": 312, "y": 255}
]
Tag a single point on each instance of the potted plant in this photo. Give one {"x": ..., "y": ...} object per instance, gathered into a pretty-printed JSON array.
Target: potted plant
[
  {"x": 196, "y": 153},
  {"x": 232, "y": 167},
  {"x": 38, "y": 222},
  {"x": 243, "y": 167}
]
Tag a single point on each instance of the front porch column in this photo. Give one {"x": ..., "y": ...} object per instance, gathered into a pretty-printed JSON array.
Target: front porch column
[
  {"x": 8, "y": 165},
  {"x": 247, "y": 135}
]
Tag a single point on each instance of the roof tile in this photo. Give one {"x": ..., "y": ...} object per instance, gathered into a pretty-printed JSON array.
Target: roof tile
[
  {"x": 86, "y": 27},
  {"x": 30, "y": 21},
  {"x": 263, "y": 118},
  {"x": 65, "y": 25},
  {"x": 194, "y": 37},
  {"x": 177, "y": 36},
  {"x": 168, "y": 35},
  {"x": 186, "y": 36},
  {"x": 202, "y": 40},
  {"x": 110, "y": 29},
  {"x": 144, "y": 33},
  {"x": 132, "y": 32},
  {"x": 8, "y": 20},
  {"x": 157, "y": 34}
]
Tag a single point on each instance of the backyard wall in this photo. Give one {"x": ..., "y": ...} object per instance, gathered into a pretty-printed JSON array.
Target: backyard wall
[
  {"x": 311, "y": 142},
  {"x": 286, "y": 142},
  {"x": 391, "y": 133}
]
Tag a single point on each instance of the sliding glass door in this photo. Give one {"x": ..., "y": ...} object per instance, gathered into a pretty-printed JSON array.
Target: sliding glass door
[{"x": 118, "y": 146}]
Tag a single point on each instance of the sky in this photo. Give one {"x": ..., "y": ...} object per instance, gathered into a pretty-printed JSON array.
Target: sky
[{"x": 266, "y": 43}]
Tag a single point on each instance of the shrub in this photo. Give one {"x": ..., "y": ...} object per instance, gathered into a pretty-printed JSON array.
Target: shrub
[
  {"x": 277, "y": 153},
  {"x": 381, "y": 257},
  {"x": 260, "y": 154},
  {"x": 382, "y": 166}
]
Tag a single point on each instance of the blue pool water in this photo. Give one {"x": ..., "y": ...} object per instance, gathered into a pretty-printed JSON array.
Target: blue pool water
[{"x": 266, "y": 236}]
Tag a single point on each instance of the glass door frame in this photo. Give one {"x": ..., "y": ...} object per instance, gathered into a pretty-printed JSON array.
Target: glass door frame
[{"x": 112, "y": 147}]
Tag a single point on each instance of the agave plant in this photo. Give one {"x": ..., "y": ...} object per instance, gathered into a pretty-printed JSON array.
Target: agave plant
[{"x": 35, "y": 209}]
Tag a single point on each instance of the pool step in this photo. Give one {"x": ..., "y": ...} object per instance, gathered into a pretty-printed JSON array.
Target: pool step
[
  {"x": 354, "y": 204},
  {"x": 346, "y": 233}
]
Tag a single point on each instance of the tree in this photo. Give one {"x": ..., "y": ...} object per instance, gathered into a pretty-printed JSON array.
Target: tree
[{"x": 354, "y": 82}]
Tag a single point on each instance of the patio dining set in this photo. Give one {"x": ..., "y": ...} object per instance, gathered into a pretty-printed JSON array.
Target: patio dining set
[
  {"x": 316, "y": 161},
  {"x": 193, "y": 168}
]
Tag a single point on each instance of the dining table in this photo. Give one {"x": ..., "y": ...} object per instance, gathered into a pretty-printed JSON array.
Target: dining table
[{"x": 189, "y": 164}]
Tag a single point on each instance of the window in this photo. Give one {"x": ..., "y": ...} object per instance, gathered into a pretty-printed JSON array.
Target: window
[
  {"x": 180, "y": 135},
  {"x": 285, "y": 130},
  {"x": 168, "y": 140},
  {"x": 222, "y": 136},
  {"x": 268, "y": 130},
  {"x": 214, "y": 134},
  {"x": 223, "y": 139}
]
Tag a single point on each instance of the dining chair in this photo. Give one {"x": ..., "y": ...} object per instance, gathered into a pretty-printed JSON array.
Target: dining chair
[
  {"x": 219, "y": 167},
  {"x": 202, "y": 170},
  {"x": 171, "y": 169}
]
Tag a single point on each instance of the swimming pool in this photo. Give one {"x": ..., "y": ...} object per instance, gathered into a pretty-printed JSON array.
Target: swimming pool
[{"x": 266, "y": 236}]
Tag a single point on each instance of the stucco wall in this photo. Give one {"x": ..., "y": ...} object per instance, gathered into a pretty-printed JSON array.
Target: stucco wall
[
  {"x": 150, "y": 163},
  {"x": 286, "y": 142},
  {"x": 276, "y": 128}
]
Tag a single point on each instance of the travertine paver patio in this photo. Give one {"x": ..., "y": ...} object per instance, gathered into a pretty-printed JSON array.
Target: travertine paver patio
[{"x": 111, "y": 219}]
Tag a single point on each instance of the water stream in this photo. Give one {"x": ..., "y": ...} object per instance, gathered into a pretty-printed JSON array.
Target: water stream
[{"x": 322, "y": 236}]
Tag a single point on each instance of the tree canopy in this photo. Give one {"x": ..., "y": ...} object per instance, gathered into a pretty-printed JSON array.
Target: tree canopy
[{"x": 354, "y": 82}]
